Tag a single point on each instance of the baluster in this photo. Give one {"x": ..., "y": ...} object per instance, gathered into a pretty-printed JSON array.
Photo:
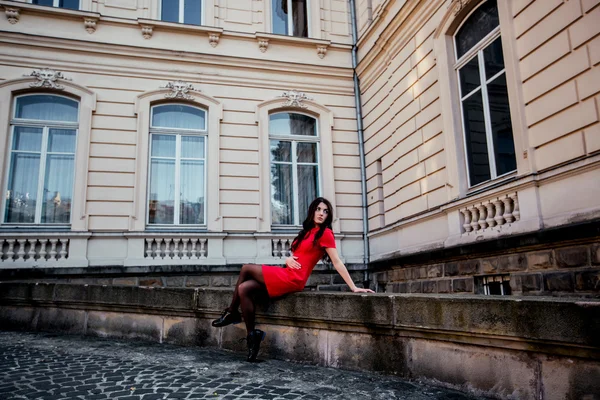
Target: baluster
[
  {"x": 10, "y": 253},
  {"x": 466, "y": 220},
  {"x": 490, "y": 214},
  {"x": 63, "y": 248},
  {"x": 195, "y": 245},
  {"x": 277, "y": 252},
  {"x": 148, "y": 251},
  {"x": 203, "y": 247},
  {"x": 499, "y": 211},
  {"x": 21, "y": 252},
  {"x": 53, "y": 249},
  {"x": 43, "y": 247},
  {"x": 482, "y": 216},
  {"x": 161, "y": 248},
  {"x": 508, "y": 216},
  {"x": 288, "y": 248},
  {"x": 171, "y": 246},
  {"x": 474, "y": 218},
  {"x": 516, "y": 211},
  {"x": 31, "y": 252},
  {"x": 179, "y": 250}
]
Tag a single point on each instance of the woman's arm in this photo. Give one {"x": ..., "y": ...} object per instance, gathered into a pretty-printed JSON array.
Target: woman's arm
[{"x": 343, "y": 271}]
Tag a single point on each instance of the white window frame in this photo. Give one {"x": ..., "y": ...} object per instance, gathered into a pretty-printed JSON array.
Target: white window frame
[
  {"x": 477, "y": 51},
  {"x": 55, "y": 3},
  {"x": 181, "y": 12},
  {"x": 294, "y": 140},
  {"x": 290, "y": 18},
  {"x": 178, "y": 133},
  {"x": 45, "y": 125}
]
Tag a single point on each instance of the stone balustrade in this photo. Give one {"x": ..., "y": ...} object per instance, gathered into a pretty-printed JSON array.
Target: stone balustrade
[
  {"x": 281, "y": 247},
  {"x": 175, "y": 248},
  {"x": 32, "y": 250},
  {"x": 490, "y": 214}
]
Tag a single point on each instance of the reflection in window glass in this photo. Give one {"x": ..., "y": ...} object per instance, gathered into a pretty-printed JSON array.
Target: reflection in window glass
[
  {"x": 476, "y": 139},
  {"x": 192, "y": 12},
  {"x": 504, "y": 146},
  {"x": 178, "y": 116},
  {"x": 286, "y": 23},
  {"x": 170, "y": 10},
  {"x": 46, "y": 108},
  {"x": 483, "y": 20}
]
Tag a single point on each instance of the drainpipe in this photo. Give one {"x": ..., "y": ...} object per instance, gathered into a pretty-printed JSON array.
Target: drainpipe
[{"x": 361, "y": 142}]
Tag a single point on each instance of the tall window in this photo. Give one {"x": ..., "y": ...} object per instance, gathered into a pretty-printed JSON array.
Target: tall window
[
  {"x": 41, "y": 161},
  {"x": 72, "y": 4},
  {"x": 182, "y": 11},
  {"x": 294, "y": 148},
  {"x": 489, "y": 142},
  {"x": 290, "y": 17},
  {"x": 177, "y": 183}
]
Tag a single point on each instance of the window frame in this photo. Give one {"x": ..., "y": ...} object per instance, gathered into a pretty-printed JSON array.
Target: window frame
[
  {"x": 55, "y": 3},
  {"x": 178, "y": 133},
  {"x": 181, "y": 14},
  {"x": 46, "y": 126},
  {"x": 290, "y": 20},
  {"x": 294, "y": 140}
]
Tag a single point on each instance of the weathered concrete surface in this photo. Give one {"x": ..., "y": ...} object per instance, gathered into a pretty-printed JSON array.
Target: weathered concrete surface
[
  {"x": 505, "y": 347},
  {"x": 42, "y": 366}
]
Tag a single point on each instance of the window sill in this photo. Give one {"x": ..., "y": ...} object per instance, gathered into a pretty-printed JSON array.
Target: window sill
[
  {"x": 491, "y": 184},
  {"x": 179, "y": 26}
]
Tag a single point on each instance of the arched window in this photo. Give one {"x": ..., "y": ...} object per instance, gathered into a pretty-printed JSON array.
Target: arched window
[
  {"x": 487, "y": 125},
  {"x": 177, "y": 176},
  {"x": 182, "y": 11},
  {"x": 41, "y": 159},
  {"x": 294, "y": 152}
]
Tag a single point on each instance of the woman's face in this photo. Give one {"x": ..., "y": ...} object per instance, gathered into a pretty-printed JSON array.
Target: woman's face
[{"x": 321, "y": 213}]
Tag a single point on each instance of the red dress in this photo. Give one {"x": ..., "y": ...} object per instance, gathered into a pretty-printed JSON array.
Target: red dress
[{"x": 280, "y": 281}]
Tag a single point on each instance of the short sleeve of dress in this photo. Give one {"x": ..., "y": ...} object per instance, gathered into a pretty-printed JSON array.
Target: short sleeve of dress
[{"x": 327, "y": 240}]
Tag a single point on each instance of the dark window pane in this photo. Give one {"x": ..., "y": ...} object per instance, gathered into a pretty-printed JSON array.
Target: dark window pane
[
  {"x": 292, "y": 124},
  {"x": 469, "y": 77},
  {"x": 46, "y": 107},
  {"x": 72, "y": 4},
  {"x": 282, "y": 205},
  {"x": 281, "y": 151},
  {"x": 307, "y": 185},
  {"x": 169, "y": 10},
  {"x": 43, "y": 2},
  {"x": 493, "y": 58},
  {"x": 192, "y": 12},
  {"x": 26, "y": 138},
  {"x": 21, "y": 196},
  {"x": 477, "y": 152},
  {"x": 306, "y": 152},
  {"x": 178, "y": 116},
  {"x": 280, "y": 17},
  {"x": 299, "y": 18},
  {"x": 480, "y": 23},
  {"x": 161, "y": 200},
  {"x": 504, "y": 145}
]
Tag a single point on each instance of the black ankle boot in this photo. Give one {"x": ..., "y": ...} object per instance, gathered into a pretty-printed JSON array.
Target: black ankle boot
[
  {"x": 253, "y": 340},
  {"x": 227, "y": 318}
]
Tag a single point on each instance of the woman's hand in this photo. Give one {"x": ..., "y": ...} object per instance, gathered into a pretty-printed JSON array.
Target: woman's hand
[
  {"x": 292, "y": 263},
  {"x": 361, "y": 290}
]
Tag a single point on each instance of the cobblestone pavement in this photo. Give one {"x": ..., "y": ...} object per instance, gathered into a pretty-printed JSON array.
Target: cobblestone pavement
[{"x": 46, "y": 366}]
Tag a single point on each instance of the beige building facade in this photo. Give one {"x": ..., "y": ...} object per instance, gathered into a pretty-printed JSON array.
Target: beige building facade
[{"x": 149, "y": 134}]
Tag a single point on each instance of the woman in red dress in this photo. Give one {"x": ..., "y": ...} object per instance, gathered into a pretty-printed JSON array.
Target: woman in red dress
[{"x": 314, "y": 242}]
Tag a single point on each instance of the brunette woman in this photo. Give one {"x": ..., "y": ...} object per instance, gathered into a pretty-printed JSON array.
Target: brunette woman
[{"x": 314, "y": 242}]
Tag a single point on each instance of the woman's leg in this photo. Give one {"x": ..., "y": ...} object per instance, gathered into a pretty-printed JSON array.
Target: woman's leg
[
  {"x": 248, "y": 272},
  {"x": 249, "y": 292}
]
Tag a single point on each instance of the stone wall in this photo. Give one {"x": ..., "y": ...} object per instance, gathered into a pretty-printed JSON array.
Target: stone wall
[{"x": 506, "y": 348}]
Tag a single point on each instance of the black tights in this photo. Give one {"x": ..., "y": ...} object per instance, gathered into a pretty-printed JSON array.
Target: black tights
[{"x": 249, "y": 288}]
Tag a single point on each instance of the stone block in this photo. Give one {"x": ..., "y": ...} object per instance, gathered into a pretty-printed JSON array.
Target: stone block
[
  {"x": 451, "y": 269},
  {"x": 398, "y": 274},
  {"x": 531, "y": 283},
  {"x": 125, "y": 281},
  {"x": 63, "y": 320},
  {"x": 415, "y": 287},
  {"x": 381, "y": 277},
  {"x": 189, "y": 332},
  {"x": 18, "y": 318},
  {"x": 559, "y": 282},
  {"x": 357, "y": 277},
  {"x": 399, "y": 287},
  {"x": 572, "y": 257},
  {"x": 220, "y": 281},
  {"x": 435, "y": 271},
  {"x": 163, "y": 298},
  {"x": 563, "y": 379},
  {"x": 468, "y": 267},
  {"x": 197, "y": 281},
  {"x": 540, "y": 260},
  {"x": 124, "y": 325},
  {"x": 513, "y": 262},
  {"x": 587, "y": 281},
  {"x": 488, "y": 265},
  {"x": 595, "y": 248},
  {"x": 516, "y": 284},
  {"x": 462, "y": 285},
  {"x": 154, "y": 282},
  {"x": 444, "y": 286},
  {"x": 430, "y": 287},
  {"x": 175, "y": 281}
]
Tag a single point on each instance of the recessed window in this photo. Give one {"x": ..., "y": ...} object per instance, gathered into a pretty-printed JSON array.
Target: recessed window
[
  {"x": 290, "y": 17},
  {"x": 294, "y": 150},
  {"x": 177, "y": 178},
  {"x": 71, "y": 4},
  {"x": 493, "y": 285},
  {"x": 489, "y": 142},
  {"x": 182, "y": 11},
  {"x": 41, "y": 160}
]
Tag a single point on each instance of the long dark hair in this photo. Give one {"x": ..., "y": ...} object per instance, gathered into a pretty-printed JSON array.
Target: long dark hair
[{"x": 309, "y": 223}]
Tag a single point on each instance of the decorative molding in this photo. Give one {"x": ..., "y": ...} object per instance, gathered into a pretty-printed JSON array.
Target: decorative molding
[
  {"x": 179, "y": 90},
  {"x": 147, "y": 31},
  {"x": 263, "y": 44},
  {"x": 47, "y": 78},
  {"x": 493, "y": 213},
  {"x": 12, "y": 14},
  {"x": 213, "y": 39},
  {"x": 295, "y": 98},
  {"x": 90, "y": 24},
  {"x": 459, "y": 5},
  {"x": 321, "y": 50}
]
